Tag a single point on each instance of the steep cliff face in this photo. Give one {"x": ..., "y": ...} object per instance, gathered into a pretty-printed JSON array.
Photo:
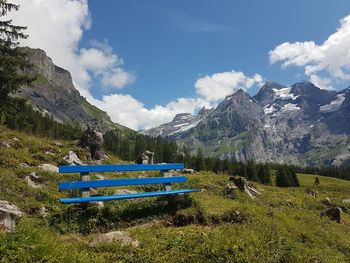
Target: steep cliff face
[
  {"x": 53, "y": 93},
  {"x": 301, "y": 124}
]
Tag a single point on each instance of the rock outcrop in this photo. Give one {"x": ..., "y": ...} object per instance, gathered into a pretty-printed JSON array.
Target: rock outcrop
[
  {"x": 8, "y": 214},
  {"x": 92, "y": 141},
  {"x": 32, "y": 179},
  {"x": 332, "y": 213},
  {"x": 49, "y": 167},
  {"x": 72, "y": 158},
  {"x": 145, "y": 158},
  {"x": 53, "y": 93}
]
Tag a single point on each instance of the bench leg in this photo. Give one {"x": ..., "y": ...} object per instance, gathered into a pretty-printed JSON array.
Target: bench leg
[
  {"x": 85, "y": 177},
  {"x": 166, "y": 173}
]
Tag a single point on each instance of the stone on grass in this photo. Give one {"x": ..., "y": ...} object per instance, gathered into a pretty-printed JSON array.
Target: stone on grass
[
  {"x": 189, "y": 171},
  {"x": 4, "y": 145},
  {"x": 59, "y": 144},
  {"x": 34, "y": 175},
  {"x": 122, "y": 237},
  {"x": 30, "y": 179},
  {"x": 43, "y": 212},
  {"x": 32, "y": 183},
  {"x": 124, "y": 192},
  {"x": 8, "y": 214},
  {"x": 72, "y": 158},
  {"x": 100, "y": 177},
  {"x": 24, "y": 165},
  {"x": 49, "y": 168},
  {"x": 332, "y": 213},
  {"x": 97, "y": 204},
  {"x": 145, "y": 158}
]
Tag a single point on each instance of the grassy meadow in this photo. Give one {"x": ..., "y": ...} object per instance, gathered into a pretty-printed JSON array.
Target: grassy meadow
[{"x": 215, "y": 225}]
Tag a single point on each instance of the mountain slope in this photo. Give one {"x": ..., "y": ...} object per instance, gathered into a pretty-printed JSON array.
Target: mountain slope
[
  {"x": 219, "y": 224},
  {"x": 53, "y": 93},
  {"x": 301, "y": 124}
]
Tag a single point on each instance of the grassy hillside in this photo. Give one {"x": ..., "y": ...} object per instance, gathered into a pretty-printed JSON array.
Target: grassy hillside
[{"x": 216, "y": 225}]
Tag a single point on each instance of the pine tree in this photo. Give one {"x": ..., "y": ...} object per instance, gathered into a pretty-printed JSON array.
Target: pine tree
[
  {"x": 252, "y": 171},
  {"x": 282, "y": 179},
  {"x": 199, "y": 161},
  {"x": 294, "y": 178},
  {"x": 13, "y": 62}
]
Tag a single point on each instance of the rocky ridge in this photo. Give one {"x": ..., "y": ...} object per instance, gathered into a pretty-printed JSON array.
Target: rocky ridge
[
  {"x": 301, "y": 124},
  {"x": 53, "y": 93}
]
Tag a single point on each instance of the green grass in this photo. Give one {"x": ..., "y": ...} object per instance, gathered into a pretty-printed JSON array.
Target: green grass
[
  {"x": 215, "y": 225},
  {"x": 40, "y": 79}
]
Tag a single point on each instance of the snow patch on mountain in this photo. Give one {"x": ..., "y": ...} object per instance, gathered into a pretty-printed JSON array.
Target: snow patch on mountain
[
  {"x": 334, "y": 105},
  {"x": 186, "y": 128},
  {"x": 269, "y": 109},
  {"x": 284, "y": 94},
  {"x": 290, "y": 107},
  {"x": 181, "y": 124}
]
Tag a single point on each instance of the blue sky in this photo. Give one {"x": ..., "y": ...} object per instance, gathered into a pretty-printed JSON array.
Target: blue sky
[
  {"x": 169, "y": 44},
  {"x": 145, "y": 61}
]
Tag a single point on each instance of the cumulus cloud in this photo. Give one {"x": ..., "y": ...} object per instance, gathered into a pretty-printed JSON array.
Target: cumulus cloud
[
  {"x": 330, "y": 59},
  {"x": 217, "y": 86},
  {"x": 128, "y": 111},
  {"x": 324, "y": 83},
  {"x": 57, "y": 27}
]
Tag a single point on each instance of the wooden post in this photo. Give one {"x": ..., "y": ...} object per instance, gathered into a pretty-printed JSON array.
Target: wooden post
[
  {"x": 166, "y": 173},
  {"x": 85, "y": 177}
]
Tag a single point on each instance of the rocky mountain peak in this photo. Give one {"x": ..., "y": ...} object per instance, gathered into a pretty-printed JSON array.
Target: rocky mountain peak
[
  {"x": 204, "y": 112},
  {"x": 267, "y": 92},
  {"x": 311, "y": 95},
  {"x": 304, "y": 87},
  {"x": 53, "y": 93},
  {"x": 182, "y": 117},
  {"x": 44, "y": 67}
]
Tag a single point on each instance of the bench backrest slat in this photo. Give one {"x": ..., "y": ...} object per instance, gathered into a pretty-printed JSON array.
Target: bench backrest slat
[
  {"x": 119, "y": 168},
  {"x": 121, "y": 182}
]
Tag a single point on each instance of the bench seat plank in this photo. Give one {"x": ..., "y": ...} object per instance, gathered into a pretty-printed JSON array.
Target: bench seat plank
[
  {"x": 119, "y": 168},
  {"x": 121, "y": 182},
  {"x": 125, "y": 196}
]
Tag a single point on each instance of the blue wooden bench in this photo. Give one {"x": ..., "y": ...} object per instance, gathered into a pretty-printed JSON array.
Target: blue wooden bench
[{"x": 85, "y": 184}]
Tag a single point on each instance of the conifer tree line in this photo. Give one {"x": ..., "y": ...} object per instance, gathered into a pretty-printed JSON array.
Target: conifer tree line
[
  {"x": 17, "y": 114},
  {"x": 286, "y": 177},
  {"x": 129, "y": 146},
  {"x": 13, "y": 62}
]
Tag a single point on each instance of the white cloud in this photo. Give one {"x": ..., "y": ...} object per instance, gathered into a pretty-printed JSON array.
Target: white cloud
[
  {"x": 117, "y": 77},
  {"x": 331, "y": 58},
  {"x": 128, "y": 111},
  {"x": 217, "y": 86},
  {"x": 323, "y": 83}
]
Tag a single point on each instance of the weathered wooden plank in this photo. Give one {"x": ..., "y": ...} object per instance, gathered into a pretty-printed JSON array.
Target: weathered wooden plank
[
  {"x": 125, "y": 196},
  {"x": 119, "y": 168},
  {"x": 121, "y": 182}
]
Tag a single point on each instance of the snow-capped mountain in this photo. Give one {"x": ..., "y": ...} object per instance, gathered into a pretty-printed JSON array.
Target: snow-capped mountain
[
  {"x": 300, "y": 124},
  {"x": 181, "y": 123}
]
